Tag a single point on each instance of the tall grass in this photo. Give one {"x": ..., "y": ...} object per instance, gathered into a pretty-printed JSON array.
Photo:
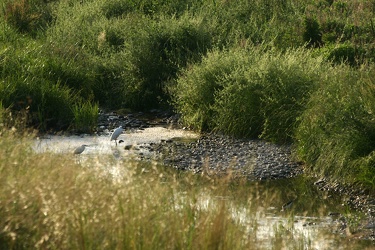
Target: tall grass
[
  {"x": 33, "y": 84},
  {"x": 196, "y": 88},
  {"x": 248, "y": 92},
  {"x": 336, "y": 135},
  {"x": 48, "y": 201},
  {"x": 28, "y": 16},
  {"x": 85, "y": 117},
  {"x": 47, "y": 103}
]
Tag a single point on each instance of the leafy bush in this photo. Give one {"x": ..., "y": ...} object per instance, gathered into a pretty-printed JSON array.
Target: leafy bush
[
  {"x": 237, "y": 104},
  {"x": 195, "y": 92},
  {"x": 312, "y": 35},
  {"x": 346, "y": 53}
]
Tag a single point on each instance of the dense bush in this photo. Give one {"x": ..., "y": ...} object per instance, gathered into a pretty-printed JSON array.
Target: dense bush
[
  {"x": 248, "y": 92},
  {"x": 336, "y": 136},
  {"x": 28, "y": 16},
  {"x": 288, "y": 79},
  {"x": 30, "y": 87},
  {"x": 195, "y": 92},
  {"x": 158, "y": 55}
]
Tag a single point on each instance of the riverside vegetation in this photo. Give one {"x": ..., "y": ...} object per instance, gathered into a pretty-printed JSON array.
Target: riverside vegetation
[
  {"x": 293, "y": 71},
  {"x": 53, "y": 202}
]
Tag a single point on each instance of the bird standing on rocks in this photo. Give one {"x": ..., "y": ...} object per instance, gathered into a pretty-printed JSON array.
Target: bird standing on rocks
[
  {"x": 80, "y": 149},
  {"x": 116, "y": 134}
]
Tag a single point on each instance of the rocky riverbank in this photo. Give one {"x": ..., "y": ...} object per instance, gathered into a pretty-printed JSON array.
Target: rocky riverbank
[
  {"x": 219, "y": 154},
  {"x": 254, "y": 159}
]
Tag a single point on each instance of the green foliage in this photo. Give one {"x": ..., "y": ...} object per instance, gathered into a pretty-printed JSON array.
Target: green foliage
[
  {"x": 336, "y": 136},
  {"x": 237, "y": 104},
  {"x": 85, "y": 117},
  {"x": 345, "y": 53},
  {"x": 248, "y": 92},
  {"x": 47, "y": 104},
  {"x": 159, "y": 54},
  {"x": 151, "y": 8},
  {"x": 28, "y": 16},
  {"x": 35, "y": 90},
  {"x": 312, "y": 35},
  {"x": 288, "y": 79},
  {"x": 197, "y": 87}
]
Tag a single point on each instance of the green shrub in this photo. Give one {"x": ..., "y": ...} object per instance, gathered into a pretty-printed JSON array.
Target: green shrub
[
  {"x": 237, "y": 105},
  {"x": 346, "y": 53},
  {"x": 47, "y": 104},
  {"x": 28, "y": 16},
  {"x": 248, "y": 92},
  {"x": 288, "y": 79},
  {"x": 85, "y": 116},
  {"x": 158, "y": 54},
  {"x": 312, "y": 34},
  {"x": 336, "y": 136},
  {"x": 195, "y": 92}
]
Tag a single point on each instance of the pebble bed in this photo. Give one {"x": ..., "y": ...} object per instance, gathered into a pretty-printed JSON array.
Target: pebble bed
[
  {"x": 219, "y": 154},
  {"x": 254, "y": 159}
]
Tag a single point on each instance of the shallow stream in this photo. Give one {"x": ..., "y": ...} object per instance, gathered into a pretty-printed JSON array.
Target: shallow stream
[{"x": 294, "y": 207}]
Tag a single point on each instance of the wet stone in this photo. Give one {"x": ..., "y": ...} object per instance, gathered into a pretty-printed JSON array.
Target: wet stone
[{"x": 253, "y": 159}]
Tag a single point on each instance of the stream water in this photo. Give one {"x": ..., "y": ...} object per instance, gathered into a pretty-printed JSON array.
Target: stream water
[{"x": 294, "y": 207}]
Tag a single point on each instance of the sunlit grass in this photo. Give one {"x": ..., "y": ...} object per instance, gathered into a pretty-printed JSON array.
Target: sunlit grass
[
  {"x": 85, "y": 116},
  {"x": 54, "y": 201}
]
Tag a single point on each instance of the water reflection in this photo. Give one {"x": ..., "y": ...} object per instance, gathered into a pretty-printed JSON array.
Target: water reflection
[
  {"x": 269, "y": 210},
  {"x": 103, "y": 145},
  {"x": 308, "y": 224}
]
